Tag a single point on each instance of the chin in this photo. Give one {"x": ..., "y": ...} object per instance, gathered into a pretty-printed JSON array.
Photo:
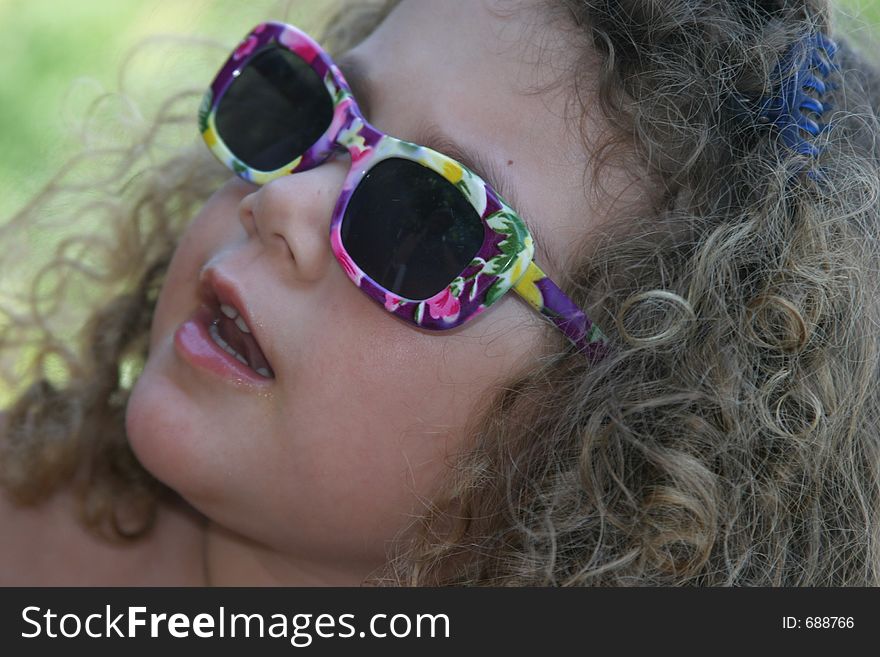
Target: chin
[{"x": 162, "y": 434}]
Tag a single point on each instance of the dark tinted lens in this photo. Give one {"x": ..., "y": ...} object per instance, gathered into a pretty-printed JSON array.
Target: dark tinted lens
[
  {"x": 274, "y": 110},
  {"x": 410, "y": 229}
]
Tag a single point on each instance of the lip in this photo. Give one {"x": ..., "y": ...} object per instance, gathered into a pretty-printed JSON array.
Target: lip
[
  {"x": 216, "y": 289},
  {"x": 194, "y": 344}
]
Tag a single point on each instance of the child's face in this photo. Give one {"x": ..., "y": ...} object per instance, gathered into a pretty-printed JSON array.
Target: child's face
[{"x": 326, "y": 461}]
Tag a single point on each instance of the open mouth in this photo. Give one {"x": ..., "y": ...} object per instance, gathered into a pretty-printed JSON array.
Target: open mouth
[{"x": 232, "y": 334}]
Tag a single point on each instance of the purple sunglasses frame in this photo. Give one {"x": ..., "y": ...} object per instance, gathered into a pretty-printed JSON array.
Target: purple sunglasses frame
[{"x": 505, "y": 258}]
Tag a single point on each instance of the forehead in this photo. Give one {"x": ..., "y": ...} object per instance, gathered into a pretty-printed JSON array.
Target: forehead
[{"x": 488, "y": 75}]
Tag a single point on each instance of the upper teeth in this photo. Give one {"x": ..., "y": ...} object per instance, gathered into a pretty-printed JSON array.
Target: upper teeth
[
  {"x": 215, "y": 335},
  {"x": 232, "y": 313}
]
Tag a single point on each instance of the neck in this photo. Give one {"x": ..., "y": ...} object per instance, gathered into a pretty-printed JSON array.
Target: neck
[{"x": 233, "y": 560}]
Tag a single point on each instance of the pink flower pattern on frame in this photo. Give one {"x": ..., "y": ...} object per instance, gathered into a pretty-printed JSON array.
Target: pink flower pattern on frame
[
  {"x": 392, "y": 301},
  {"x": 342, "y": 256},
  {"x": 444, "y": 305},
  {"x": 302, "y": 48},
  {"x": 246, "y": 48}
]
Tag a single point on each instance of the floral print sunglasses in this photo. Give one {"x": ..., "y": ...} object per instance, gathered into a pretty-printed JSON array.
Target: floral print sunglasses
[{"x": 415, "y": 230}]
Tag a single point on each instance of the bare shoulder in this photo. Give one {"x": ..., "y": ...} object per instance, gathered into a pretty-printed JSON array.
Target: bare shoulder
[{"x": 46, "y": 545}]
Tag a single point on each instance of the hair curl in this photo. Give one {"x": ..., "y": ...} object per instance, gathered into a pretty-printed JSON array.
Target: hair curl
[{"x": 731, "y": 437}]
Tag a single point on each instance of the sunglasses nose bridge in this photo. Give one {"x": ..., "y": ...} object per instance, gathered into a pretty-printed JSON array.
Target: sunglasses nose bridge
[{"x": 356, "y": 134}]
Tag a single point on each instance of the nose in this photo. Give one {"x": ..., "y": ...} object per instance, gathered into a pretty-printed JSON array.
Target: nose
[{"x": 291, "y": 215}]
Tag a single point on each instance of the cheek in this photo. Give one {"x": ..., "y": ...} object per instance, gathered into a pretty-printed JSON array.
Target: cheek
[
  {"x": 161, "y": 437},
  {"x": 351, "y": 465},
  {"x": 395, "y": 397},
  {"x": 368, "y": 429}
]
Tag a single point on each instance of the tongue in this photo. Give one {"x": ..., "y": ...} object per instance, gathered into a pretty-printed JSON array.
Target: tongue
[{"x": 243, "y": 343}]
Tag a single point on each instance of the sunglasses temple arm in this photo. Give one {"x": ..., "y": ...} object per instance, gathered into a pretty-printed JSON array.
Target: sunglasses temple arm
[{"x": 545, "y": 296}]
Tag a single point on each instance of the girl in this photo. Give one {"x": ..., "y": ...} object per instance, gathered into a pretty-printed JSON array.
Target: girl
[{"x": 686, "y": 191}]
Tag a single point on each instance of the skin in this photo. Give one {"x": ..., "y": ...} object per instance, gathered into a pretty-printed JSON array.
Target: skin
[{"x": 306, "y": 483}]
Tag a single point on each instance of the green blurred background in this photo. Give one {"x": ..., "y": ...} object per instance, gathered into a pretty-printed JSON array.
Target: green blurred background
[
  {"x": 59, "y": 56},
  {"x": 81, "y": 75}
]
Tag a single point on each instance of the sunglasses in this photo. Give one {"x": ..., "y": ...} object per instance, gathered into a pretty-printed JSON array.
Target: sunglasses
[{"x": 415, "y": 230}]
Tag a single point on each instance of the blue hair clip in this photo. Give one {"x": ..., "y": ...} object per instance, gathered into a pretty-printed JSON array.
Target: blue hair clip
[{"x": 796, "y": 112}]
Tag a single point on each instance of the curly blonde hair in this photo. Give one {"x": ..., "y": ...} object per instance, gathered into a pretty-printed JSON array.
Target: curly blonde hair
[{"x": 731, "y": 438}]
